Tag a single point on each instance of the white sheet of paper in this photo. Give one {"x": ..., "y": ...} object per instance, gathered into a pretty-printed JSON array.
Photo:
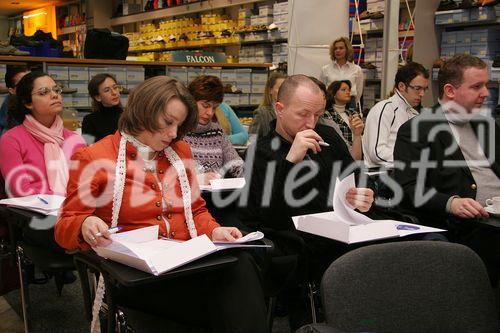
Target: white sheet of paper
[
  {"x": 341, "y": 207},
  {"x": 36, "y": 203},
  {"x": 253, "y": 236},
  {"x": 227, "y": 183}
]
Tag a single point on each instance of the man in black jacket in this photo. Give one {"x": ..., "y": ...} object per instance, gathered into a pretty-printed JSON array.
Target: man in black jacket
[
  {"x": 294, "y": 170},
  {"x": 449, "y": 158}
]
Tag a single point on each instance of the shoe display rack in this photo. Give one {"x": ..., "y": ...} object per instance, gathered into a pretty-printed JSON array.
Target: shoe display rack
[
  {"x": 74, "y": 74},
  {"x": 367, "y": 35},
  {"x": 246, "y": 31},
  {"x": 470, "y": 27}
]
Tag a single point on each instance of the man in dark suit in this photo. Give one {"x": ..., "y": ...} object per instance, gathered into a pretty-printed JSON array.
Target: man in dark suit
[{"x": 449, "y": 158}]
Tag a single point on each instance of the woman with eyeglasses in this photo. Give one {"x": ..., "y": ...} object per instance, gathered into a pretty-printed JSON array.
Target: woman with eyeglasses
[
  {"x": 34, "y": 154},
  {"x": 106, "y": 107},
  {"x": 349, "y": 122}
]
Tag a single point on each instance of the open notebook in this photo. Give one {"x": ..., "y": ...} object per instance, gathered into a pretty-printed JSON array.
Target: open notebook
[
  {"x": 142, "y": 249},
  {"x": 346, "y": 225},
  {"x": 47, "y": 204}
]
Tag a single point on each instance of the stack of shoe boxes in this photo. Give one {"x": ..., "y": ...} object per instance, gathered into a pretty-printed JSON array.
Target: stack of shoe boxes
[
  {"x": 77, "y": 77},
  {"x": 482, "y": 43},
  {"x": 280, "y": 53},
  {"x": 374, "y": 6},
  {"x": 265, "y": 16},
  {"x": 256, "y": 54},
  {"x": 280, "y": 18},
  {"x": 370, "y": 95},
  {"x": 373, "y": 54},
  {"x": 248, "y": 83}
]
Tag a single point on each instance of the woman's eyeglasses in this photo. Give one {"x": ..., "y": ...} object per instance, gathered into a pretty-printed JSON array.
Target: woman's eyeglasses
[
  {"x": 46, "y": 90},
  {"x": 108, "y": 90}
]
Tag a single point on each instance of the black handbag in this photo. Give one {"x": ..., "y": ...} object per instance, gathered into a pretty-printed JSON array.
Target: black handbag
[{"x": 104, "y": 44}]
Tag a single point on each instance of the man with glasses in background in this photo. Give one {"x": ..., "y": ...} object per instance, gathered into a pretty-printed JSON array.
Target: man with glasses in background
[{"x": 385, "y": 118}]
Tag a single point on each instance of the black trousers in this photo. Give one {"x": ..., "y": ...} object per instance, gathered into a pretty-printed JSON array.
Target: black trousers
[{"x": 229, "y": 299}]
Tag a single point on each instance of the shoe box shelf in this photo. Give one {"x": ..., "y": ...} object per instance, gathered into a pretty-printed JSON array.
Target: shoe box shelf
[
  {"x": 191, "y": 8},
  {"x": 69, "y": 30},
  {"x": 250, "y": 79},
  {"x": 474, "y": 31},
  {"x": 372, "y": 31},
  {"x": 243, "y": 45}
]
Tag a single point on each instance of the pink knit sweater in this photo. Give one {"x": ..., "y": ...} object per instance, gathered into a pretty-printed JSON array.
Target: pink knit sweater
[{"x": 22, "y": 163}]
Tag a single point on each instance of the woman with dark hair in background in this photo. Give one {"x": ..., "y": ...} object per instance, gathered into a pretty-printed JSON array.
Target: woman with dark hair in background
[
  {"x": 349, "y": 121},
  {"x": 106, "y": 107},
  {"x": 12, "y": 77},
  {"x": 265, "y": 113},
  {"x": 35, "y": 153},
  {"x": 212, "y": 150}
]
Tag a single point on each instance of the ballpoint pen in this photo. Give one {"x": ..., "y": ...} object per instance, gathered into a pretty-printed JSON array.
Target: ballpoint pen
[
  {"x": 323, "y": 143},
  {"x": 113, "y": 230},
  {"x": 43, "y": 200}
]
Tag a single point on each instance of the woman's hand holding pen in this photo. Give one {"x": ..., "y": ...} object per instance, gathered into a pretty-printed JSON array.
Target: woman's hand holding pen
[{"x": 95, "y": 231}]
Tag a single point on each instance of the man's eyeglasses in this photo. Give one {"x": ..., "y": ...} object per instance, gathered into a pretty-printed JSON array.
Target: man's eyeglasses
[
  {"x": 418, "y": 89},
  {"x": 46, "y": 90},
  {"x": 108, "y": 90}
]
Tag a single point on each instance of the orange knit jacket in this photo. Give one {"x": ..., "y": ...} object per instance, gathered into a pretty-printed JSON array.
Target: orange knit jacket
[{"x": 90, "y": 192}]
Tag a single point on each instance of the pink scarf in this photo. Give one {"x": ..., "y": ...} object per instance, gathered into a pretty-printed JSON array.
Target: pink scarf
[{"x": 55, "y": 160}]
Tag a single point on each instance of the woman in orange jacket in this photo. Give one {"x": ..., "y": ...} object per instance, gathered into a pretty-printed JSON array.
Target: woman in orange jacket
[{"x": 143, "y": 175}]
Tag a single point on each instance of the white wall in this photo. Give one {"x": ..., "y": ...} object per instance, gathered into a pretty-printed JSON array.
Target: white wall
[{"x": 313, "y": 25}]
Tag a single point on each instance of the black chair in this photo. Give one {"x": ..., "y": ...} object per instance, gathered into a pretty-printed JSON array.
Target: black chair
[
  {"x": 408, "y": 287},
  {"x": 285, "y": 272},
  {"x": 51, "y": 261},
  {"x": 118, "y": 278}
]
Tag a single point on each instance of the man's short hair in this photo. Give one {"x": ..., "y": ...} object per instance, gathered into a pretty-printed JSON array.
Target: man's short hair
[
  {"x": 147, "y": 102},
  {"x": 12, "y": 71},
  {"x": 408, "y": 72},
  {"x": 452, "y": 71},
  {"x": 291, "y": 83}
]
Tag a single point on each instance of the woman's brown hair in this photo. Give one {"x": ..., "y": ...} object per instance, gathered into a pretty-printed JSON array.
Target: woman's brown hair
[
  {"x": 93, "y": 88},
  {"x": 271, "y": 81},
  {"x": 207, "y": 88},
  {"x": 147, "y": 102}
]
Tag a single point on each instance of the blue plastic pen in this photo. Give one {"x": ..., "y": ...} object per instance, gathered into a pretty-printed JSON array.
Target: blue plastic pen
[
  {"x": 113, "y": 230},
  {"x": 43, "y": 200}
]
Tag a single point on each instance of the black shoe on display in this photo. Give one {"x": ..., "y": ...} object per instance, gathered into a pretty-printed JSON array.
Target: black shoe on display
[
  {"x": 447, "y": 5},
  {"x": 22, "y": 40}
]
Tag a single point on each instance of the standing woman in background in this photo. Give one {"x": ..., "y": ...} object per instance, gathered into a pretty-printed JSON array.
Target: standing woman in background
[
  {"x": 342, "y": 68},
  {"x": 35, "y": 153},
  {"x": 264, "y": 114},
  {"x": 106, "y": 107}
]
